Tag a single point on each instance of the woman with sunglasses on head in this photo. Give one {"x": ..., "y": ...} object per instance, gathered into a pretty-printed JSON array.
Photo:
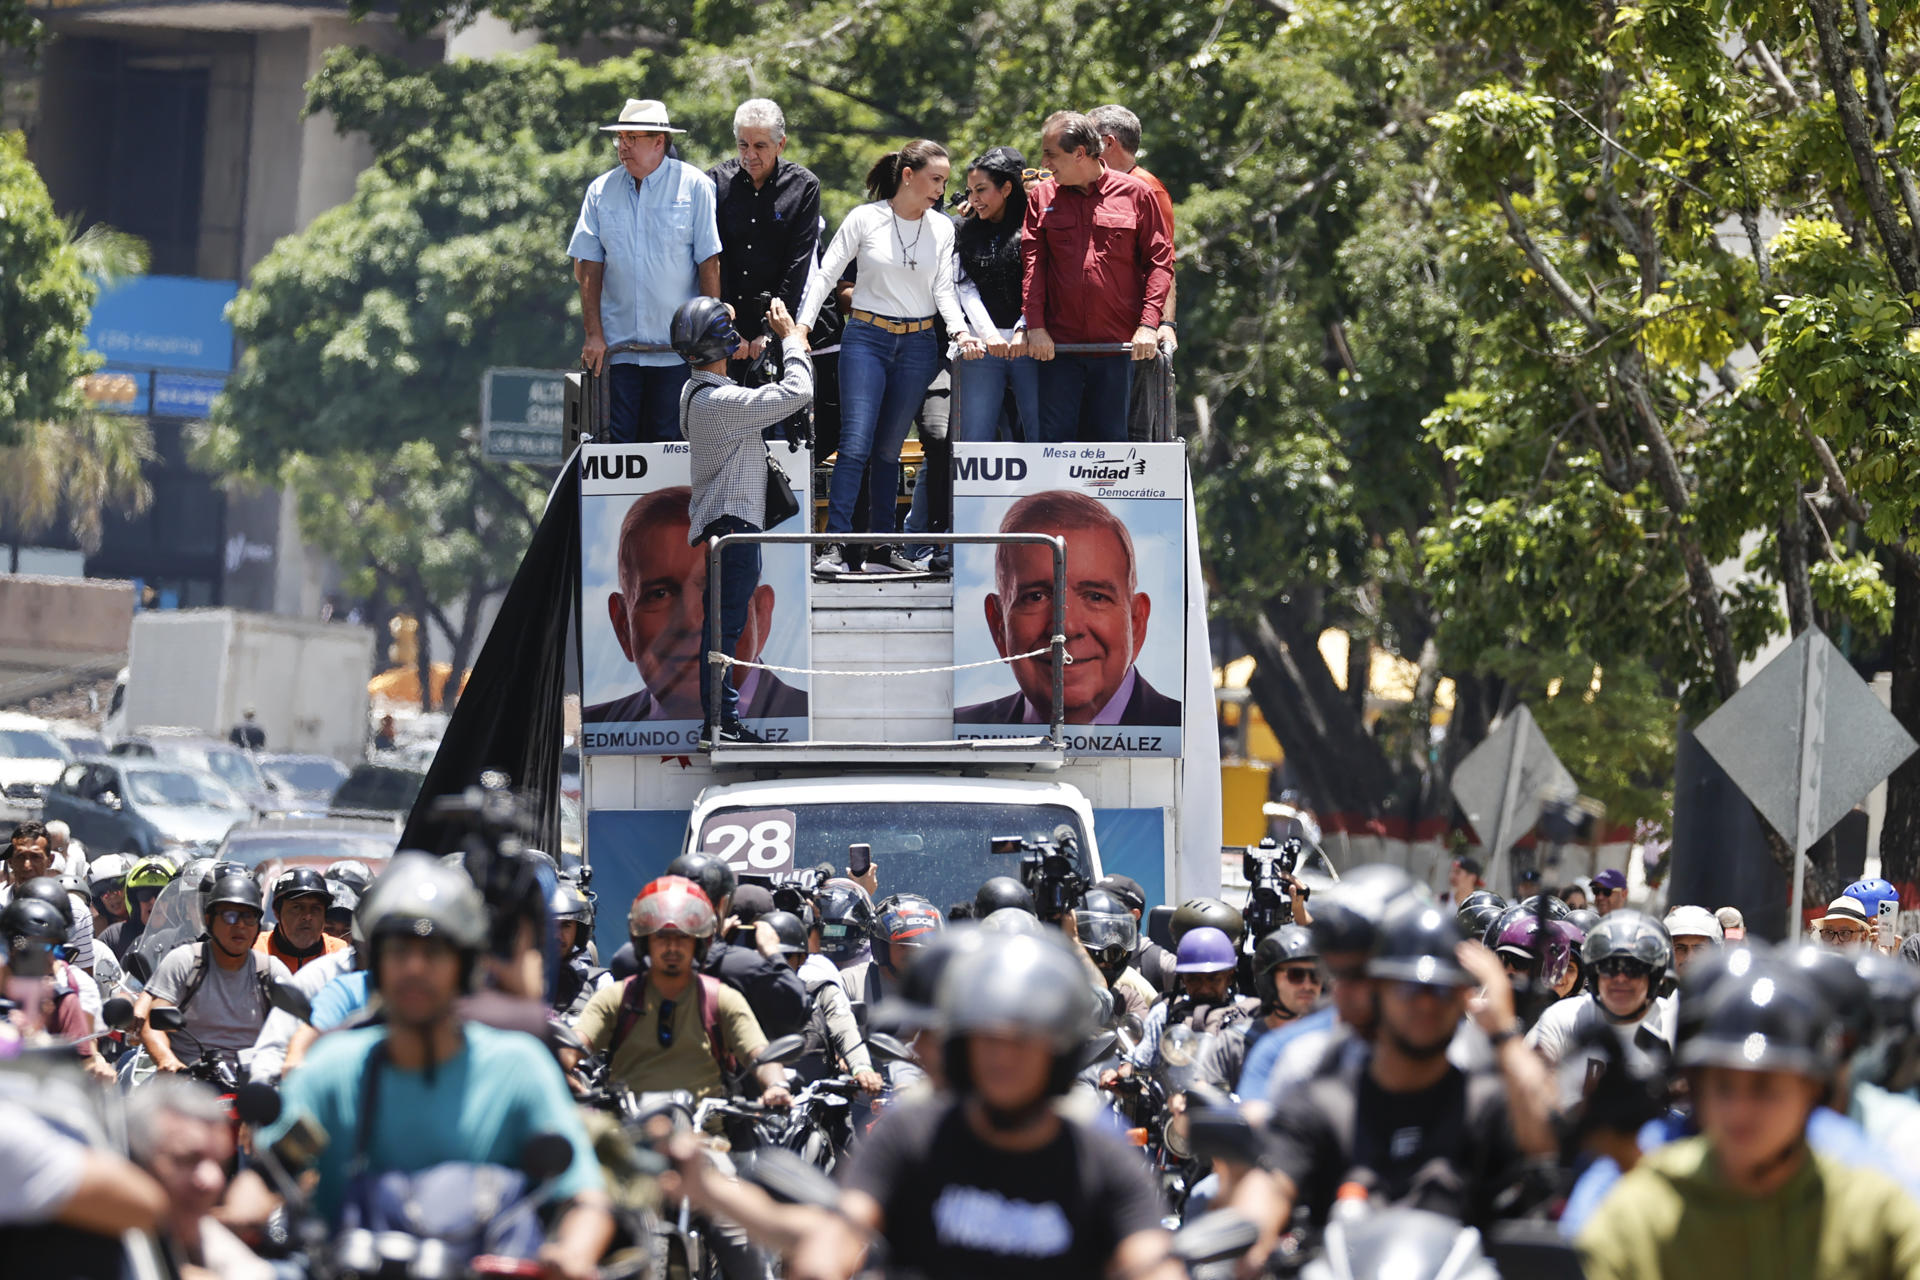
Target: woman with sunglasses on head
[
  {"x": 889, "y": 351},
  {"x": 988, "y": 272}
]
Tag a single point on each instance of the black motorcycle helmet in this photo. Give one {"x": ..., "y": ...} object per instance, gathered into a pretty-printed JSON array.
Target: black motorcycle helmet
[
  {"x": 50, "y": 891},
  {"x": 846, "y": 921},
  {"x": 1842, "y": 989},
  {"x": 998, "y": 893},
  {"x": 1347, "y": 916},
  {"x": 1206, "y": 913},
  {"x": 703, "y": 332},
  {"x": 299, "y": 881},
  {"x": 233, "y": 889},
  {"x": 31, "y": 927},
  {"x": 1480, "y": 920},
  {"x": 1286, "y": 945},
  {"x": 790, "y": 929},
  {"x": 1768, "y": 1018},
  {"x": 715, "y": 878},
  {"x": 1556, "y": 909},
  {"x": 1416, "y": 943}
]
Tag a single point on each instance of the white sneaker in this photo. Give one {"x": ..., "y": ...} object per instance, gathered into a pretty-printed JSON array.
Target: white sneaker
[
  {"x": 832, "y": 559},
  {"x": 882, "y": 559}
]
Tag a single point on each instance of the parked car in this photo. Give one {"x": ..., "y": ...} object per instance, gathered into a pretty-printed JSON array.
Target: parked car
[
  {"x": 223, "y": 760},
  {"x": 303, "y": 783},
  {"x": 79, "y": 738},
  {"x": 378, "y": 788},
  {"x": 30, "y": 761},
  {"x": 273, "y": 844},
  {"x": 120, "y": 804}
]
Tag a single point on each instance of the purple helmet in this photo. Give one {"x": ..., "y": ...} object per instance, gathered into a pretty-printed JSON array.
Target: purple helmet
[
  {"x": 1205, "y": 950},
  {"x": 1517, "y": 937}
]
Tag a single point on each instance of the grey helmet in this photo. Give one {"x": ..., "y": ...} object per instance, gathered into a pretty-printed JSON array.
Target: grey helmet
[
  {"x": 1632, "y": 935},
  {"x": 702, "y": 331},
  {"x": 1023, "y": 985},
  {"x": 419, "y": 896}
]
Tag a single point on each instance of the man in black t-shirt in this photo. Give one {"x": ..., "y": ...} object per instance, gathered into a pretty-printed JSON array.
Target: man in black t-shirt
[
  {"x": 1400, "y": 1120},
  {"x": 993, "y": 1179}
]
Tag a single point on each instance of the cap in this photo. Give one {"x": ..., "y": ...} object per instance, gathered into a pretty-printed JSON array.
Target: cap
[
  {"x": 1693, "y": 922},
  {"x": 1126, "y": 888},
  {"x": 1610, "y": 881},
  {"x": 751, "y": 901},
  {"x": 1468, "y": 864},
  {"x": 1730, "y": 918}
]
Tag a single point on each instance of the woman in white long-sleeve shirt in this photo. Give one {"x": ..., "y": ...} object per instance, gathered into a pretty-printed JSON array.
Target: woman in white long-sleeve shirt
[{"x": 889, "y": 351}]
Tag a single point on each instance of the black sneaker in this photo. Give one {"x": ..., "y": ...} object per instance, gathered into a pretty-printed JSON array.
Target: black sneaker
[
  {"x": 733, "y": 733},
  {"x": 941, "y": 562},
  {"x": 888, "y": 559}
]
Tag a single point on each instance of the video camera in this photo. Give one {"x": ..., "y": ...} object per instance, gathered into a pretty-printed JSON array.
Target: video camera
[
  {"x": 792, "y": 890},
  {"x": 1049, "y": 870},
  {"x": 1269, "y": 869},
  {"x": 493, "y": 828}
]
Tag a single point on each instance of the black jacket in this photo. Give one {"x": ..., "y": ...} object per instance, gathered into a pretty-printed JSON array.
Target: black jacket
[{"x": 773, "y": 991}]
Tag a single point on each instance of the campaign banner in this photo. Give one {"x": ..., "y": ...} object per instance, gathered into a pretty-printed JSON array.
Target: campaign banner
[
  {"x": 643, "y": 607},
  {"x": 1121, "y": 509}
]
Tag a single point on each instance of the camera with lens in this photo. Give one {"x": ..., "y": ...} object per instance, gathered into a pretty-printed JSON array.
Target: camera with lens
[
  {"x": 492, "y": 825},
  {"x": 795, "y": 891},
  {"x": 1049, "y": 870},
  {"x": 1269, "y": 869}
]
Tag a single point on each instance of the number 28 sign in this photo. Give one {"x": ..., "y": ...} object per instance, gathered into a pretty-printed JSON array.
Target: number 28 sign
[{"x": 754, "y": 841}]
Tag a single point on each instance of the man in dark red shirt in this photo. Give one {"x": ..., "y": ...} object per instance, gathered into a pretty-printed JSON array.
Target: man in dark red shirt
[{"x": 1098, "y": 269}]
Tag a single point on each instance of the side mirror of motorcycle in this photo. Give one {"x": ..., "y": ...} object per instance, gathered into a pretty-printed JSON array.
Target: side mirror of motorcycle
[
  {"x": 257, "y": 1104},
  {"x": 1097, "y": 1048},
  {"x": 545, "y": 1156},
  {"x": 564, "y": 1038},
  {"x": 1213, "y": 1237},
  {"x": 289, "y": 999},
  {"x": 888, "y": 1047},
  {"x": 118, "y": 1014},
  {"x": 164, "y": 1017},
  {"x": 784, "y": 1050},
  {"x": 789, "y": 1178},
  {"x": 1221, "y": 1133}
]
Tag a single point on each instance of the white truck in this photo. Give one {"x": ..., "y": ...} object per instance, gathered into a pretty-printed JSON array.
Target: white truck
[
  {"x": 883, "y": 766},
  {"x": 305, "y": 681}
]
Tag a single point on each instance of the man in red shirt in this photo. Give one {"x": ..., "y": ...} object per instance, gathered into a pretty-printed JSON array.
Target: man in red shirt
[{"x": 1098, "y": 258}]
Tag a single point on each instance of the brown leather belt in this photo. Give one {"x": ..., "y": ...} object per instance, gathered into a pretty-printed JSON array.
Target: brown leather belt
[{"x": 889, "y": 323}]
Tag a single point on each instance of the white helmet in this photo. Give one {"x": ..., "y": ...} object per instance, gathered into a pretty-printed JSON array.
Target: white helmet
[
  {"x": 1694, "y": 922},
  {"x": 107, "y": 873}
]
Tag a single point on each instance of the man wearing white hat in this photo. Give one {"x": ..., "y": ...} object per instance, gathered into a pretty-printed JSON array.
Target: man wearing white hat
[
  {"x": 1694, "y": 930},
  {"x": 646, "y": 242},
  {"x": 1845, "y": 925}
]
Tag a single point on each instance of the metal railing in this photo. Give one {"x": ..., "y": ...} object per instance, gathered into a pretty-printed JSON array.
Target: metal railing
[
  {"x": 1057, "y": 644},
  {"x": 1150, "y": 418}
]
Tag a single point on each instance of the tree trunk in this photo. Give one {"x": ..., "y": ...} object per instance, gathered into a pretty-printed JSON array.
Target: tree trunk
[
  {"x": 1900, "y": 836},
  {"x": 423, "y": 648}
]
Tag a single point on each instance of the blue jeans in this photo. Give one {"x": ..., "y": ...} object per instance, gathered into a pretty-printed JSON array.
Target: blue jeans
[
  {"x": 739, "y": 577},
  {"x": 982, "y": 396},
  {"x": 644, "y": 402},
  {"x": 883, "y": 379},
  {"x": 1083, "y": 399}
]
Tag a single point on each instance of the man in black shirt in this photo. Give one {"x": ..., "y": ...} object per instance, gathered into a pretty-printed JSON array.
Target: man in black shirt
[
  {"x": 992, "y": 1180},
  {"x": 1400, "y": 1120},
  {"x": 769, "y": 213}
]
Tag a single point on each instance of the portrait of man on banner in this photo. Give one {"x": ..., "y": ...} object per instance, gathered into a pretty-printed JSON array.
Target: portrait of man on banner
[
  {"x": 1107, "y": 617},
  {"x": 659, "y": 615}
]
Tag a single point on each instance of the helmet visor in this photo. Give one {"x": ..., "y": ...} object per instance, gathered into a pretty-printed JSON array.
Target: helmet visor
[{"x": 1100, "y": 930}]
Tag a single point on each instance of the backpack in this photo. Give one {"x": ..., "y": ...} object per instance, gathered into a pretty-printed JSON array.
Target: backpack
[
  {"x": 632, "y": 996},
  {"x": 819, "y": 1037},
  {"x": 262, "y": 975}
]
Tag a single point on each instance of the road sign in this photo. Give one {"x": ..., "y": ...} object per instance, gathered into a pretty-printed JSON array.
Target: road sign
[
  {"x": 523, "y": 415},
  {"x": 1805, "y": 740},
  {"x": 1503, "y": 785}
]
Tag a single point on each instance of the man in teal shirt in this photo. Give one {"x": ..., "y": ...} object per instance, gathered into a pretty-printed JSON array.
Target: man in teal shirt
[{"x": 446, "y": 1090}]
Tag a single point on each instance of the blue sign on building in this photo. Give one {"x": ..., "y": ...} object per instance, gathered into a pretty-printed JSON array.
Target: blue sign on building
[{"x": 164, "y": 322}]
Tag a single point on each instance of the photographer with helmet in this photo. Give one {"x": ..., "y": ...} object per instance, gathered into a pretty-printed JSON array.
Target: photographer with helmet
[
  {"x": 300, "y": 900},
  {"x": 218, "y": 983},
  {"x": 722, "y": 422},
  {"x": 425, "y": 1089},
  {"x": 1288, "y": 981}
]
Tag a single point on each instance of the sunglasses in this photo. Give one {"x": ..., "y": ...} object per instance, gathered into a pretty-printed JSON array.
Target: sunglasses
[
  {"x": 236, "y": 916},
  {"x": 1623, "y": 967},
  {"x": 1300, "y": 975},
  {"x": 665, "y": 1034},
  {"x": 1035, "y": 175}
]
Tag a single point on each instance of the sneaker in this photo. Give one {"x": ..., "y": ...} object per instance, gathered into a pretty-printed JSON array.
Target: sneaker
[
  {"x": 733, "y": 733},
  {"x": 886, "y": 559},
  {"x": 941, "y": 561},
  {"x": 832, "y": 559}
]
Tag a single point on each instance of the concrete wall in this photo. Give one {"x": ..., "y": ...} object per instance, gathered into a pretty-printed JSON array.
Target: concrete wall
[{"x": 69, "y": 617}]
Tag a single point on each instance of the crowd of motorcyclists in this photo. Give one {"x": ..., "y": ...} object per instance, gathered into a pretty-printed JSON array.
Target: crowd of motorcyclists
[{"x": 432, "y": 1072}]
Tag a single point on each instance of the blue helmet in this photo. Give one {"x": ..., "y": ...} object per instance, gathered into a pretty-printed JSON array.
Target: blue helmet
[
  {"x": 1205, "y": 950},
  {"x": 1871, "y": 893}
]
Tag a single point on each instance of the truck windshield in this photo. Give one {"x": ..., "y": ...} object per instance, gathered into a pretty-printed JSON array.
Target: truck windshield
[{"x": 941, "y": 851}]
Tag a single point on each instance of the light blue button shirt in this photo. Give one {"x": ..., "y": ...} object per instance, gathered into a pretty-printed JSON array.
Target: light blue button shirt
[{"x": 652, "y": 236}]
